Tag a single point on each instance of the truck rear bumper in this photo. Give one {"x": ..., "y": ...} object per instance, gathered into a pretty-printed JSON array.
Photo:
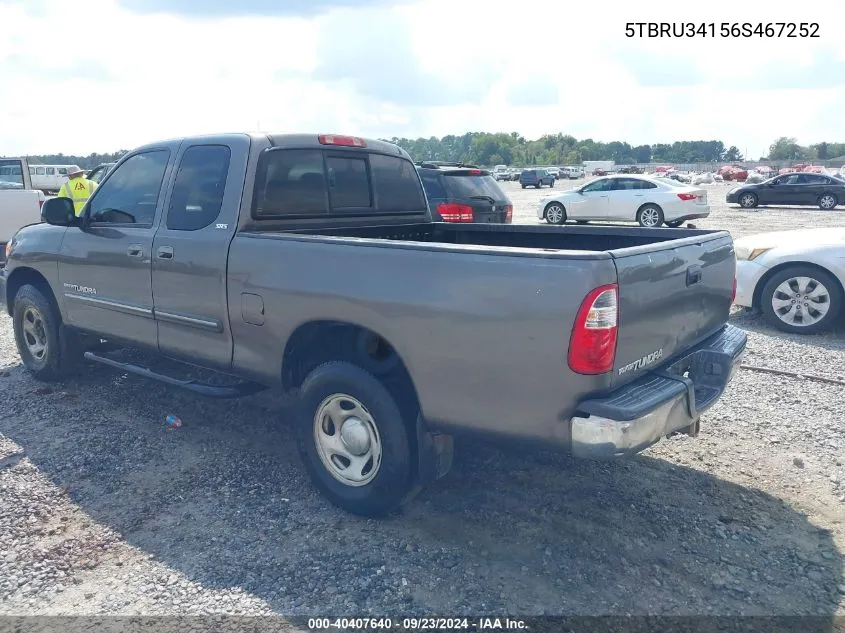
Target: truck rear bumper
[{"x": 668, "y": 400}]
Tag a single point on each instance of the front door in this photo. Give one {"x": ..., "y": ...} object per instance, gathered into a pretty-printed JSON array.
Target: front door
[
  {"x": 191, "y": 250},
  {"x": 783, "y": 190},
  {"x": 592, "y": 201},
  {"x": 104, "y": 267}
]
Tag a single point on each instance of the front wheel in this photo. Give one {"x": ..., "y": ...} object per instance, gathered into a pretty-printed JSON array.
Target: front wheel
[
  {"x": 353, "y": 440},
  {"x": 555, "y": 213},
  {"x": 748, "y": 201},
  {"x": 650, "y": 216},
  {"x": 801, "y": 300},
  {"x": 47, "y": 349},
  {"x": 674, "y": 223},
  {"x": 827, "y": 202}
]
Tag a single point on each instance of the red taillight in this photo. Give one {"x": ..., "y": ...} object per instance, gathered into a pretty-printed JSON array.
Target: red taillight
[
  {"x": 733, "y": 292},
  {"x": 509, "y": 214},
  {"x": 474, "y": 172},
  {"x": 687, "y": 196},
  {"x": 346, "y": 141},
  {"x": 455, "y": 212},
  {"x": 592, "y": 347}
]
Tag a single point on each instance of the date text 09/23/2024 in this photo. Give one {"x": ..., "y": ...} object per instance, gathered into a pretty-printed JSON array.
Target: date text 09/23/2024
[
  {"x": 417, "y": 624},
  {"x": 722, "y": 29}
]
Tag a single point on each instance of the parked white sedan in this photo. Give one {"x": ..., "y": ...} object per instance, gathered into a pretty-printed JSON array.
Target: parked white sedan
[
  {"x": 648, "y": 201},
  {"x": 795, "y": 278}
]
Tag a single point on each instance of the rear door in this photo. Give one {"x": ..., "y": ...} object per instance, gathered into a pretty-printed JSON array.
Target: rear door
[
  {"x": 811, "y": 187},
  {"x": 191, "y": 247},
  {"x": 477, "y": 189},
  {"x": 626, "y": 196},
  {"x": 671, "y": 296}
]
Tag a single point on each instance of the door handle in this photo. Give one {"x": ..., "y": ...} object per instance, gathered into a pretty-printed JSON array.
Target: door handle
[
  {"x": 165, "y": 252},
  {"x": 135, "y": 250}
]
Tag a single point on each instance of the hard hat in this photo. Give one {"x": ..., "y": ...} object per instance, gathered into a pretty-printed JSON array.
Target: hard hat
[{"x": 75, "y": 169}]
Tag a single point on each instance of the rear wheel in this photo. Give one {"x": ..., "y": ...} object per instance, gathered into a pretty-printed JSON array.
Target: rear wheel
[
  {"x": 555, "y": 213},
  {"x": 650, "y": 216},
  {"x": 827, "y": 202},
  {"x": 353, "y": 440},
  {"x": 801, "y": 299}
]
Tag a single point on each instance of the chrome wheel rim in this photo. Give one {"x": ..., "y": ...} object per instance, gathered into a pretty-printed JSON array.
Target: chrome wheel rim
[
  {"x": 347, "y": 440},
  {"x": 801, "y": 301},
  {"x": 554, "y": 213},
  {"x": 747, "y": 201},
  {"x": 827, "y": 202},
  {"x": 34, "y": 333},
  {"x": 649, "y": 217}
]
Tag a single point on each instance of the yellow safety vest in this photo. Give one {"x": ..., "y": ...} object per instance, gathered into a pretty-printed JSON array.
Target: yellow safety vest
[{"x": 79, "y": 190}]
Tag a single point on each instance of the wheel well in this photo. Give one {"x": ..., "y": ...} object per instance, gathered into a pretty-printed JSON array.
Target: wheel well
[
  {"x": 649, "y": 204},
  {"x": 23, "y": 276},
  {"x": 318, "y": 342},
  {"x": 758, "y": 289}
]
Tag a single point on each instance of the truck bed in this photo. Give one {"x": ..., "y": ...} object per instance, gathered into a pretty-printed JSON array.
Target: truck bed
[{"x": 572, "y": 239}]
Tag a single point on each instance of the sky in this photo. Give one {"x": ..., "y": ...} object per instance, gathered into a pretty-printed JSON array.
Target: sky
[{"x": 103, "y": 75}]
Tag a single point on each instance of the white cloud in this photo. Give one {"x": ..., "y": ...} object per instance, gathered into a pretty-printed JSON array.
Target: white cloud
[{"x": 430, "y": 67}]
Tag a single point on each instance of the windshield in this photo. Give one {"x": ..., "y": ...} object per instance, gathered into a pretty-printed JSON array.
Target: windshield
[
  {"x": 468, "y": 186},
  {"x": 11, "y": 176}
]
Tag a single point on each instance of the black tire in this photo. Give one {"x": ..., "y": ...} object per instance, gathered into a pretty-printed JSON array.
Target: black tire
[
  {"x": 555, "y": 218},
  {"x": 36, "y": 320},
  {"x": 748, "y": 200},
  {"x": 819, "y": 275},
  {"x": 646, "y": 211},
  {"x": 524, "y": 186},
  {"x": 674, "y": 223},
  {"x": 538, "y": 185},
  {"x": 392, "y": 482},
  {"x": 827, "y": 202}
]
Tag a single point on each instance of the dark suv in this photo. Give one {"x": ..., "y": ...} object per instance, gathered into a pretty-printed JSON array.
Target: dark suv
[
  {"x": 536, "y": 178},
  {"x": 463, "y": 193}
]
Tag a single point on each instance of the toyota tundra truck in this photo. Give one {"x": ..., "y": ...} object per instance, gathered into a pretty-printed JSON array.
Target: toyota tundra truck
[{"x": 310, "y": 264}]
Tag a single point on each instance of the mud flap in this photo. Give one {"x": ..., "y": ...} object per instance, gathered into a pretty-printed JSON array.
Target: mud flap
[{"x": 435, "y": 453}]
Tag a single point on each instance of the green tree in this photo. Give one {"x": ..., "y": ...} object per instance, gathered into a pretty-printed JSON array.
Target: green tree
[{"x": 786, "y": 148}]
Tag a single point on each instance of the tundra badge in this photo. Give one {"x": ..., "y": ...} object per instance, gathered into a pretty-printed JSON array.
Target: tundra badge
[{"x": 645, "y": 361}]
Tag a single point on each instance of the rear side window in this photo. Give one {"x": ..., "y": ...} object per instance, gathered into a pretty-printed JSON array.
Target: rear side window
[
  {"x": 470, "y": 186},
  {"x": 199, "y": 186},
  {"x": 433, "y": 188},
  {"x": 397, "y": 184},
  {"x": 294, "y": 183}
]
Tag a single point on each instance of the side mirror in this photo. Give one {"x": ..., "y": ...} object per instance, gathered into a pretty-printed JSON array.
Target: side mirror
[{"x": 59, "y": 212}]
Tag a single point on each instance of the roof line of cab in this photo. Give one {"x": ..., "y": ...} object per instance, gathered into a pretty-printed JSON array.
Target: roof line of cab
[{"x": 292, "y": 141}]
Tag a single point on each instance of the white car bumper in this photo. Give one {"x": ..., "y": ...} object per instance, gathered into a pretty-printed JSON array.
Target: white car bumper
[{"x": 748, "y": 274}]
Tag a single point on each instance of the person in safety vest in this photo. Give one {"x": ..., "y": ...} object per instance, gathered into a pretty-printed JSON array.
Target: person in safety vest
[{"x": 78, "y": 188}]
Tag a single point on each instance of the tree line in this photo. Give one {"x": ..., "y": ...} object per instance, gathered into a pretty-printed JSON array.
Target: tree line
[
  {"x": 483, "y": 148},
  {"x": 562, "y": 149}
]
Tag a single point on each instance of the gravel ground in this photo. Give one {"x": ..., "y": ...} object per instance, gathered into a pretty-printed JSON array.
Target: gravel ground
[{"x": 105, "y": 510}]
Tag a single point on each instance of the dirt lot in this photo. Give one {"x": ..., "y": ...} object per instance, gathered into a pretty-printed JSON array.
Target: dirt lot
[{"x": 105, "y": 510}]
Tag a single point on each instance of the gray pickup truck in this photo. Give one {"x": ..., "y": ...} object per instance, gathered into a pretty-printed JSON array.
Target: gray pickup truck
[{"x": 310, "y": 263}]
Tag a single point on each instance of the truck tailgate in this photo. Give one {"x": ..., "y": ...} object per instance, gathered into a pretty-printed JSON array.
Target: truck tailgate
[{"x": 671, "y": 296}]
